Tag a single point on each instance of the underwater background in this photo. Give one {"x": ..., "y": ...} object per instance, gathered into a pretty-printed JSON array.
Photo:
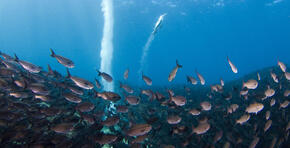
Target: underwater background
[
  {"x": 239, "y": 48},
  {"x": 200, "y": 34}
]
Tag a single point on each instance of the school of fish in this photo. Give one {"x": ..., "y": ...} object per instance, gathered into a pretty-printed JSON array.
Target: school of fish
[{"x": 44, "y": 109}]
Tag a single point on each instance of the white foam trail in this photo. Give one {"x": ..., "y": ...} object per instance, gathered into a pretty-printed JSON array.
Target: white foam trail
[
  {"x": 145, "y": 52},
  {"x": 107, "y": 42}
]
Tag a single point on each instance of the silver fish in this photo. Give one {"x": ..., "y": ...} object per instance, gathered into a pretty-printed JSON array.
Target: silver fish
[
  {"x": 147, "y": 80},
  {"x": 233, "y": 67},
  {"x": 62, "y": 60},
  {"x": 98, "y": 84},
  {"x": 200, "y": 77},
  {"x": 191, "y": 79},
  {"x": 127, "y": 88},
  {"x": 126, "y": 74},
  {"x": 173, "y": 72},
  {"x": 28, "y": 66},
  {"x": 85, "y": 84},
  {"x": 105, "y": 76}
]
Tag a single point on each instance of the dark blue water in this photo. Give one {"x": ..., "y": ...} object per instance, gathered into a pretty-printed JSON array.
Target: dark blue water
[{"x": 200, "y": 34}]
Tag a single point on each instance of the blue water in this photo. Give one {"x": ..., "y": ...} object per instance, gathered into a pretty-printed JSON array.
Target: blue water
[{"x": 200, "y": 34}]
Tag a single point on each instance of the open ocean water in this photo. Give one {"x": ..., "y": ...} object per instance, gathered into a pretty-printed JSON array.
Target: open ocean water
[{"x": 144, "y": 73}]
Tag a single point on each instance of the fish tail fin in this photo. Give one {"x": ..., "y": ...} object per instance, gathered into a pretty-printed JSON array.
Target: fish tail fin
[
  {"x": 95, "y": 93},
  {"x": 49, "y": 68},
  {"x": 120, "y": 84},
  {"x": 16, "y": 58},
  {"x": 99, "y": 73},
  {"x": 52, "y": 52},
  {"x": 170, "y": 96},
  {"x": 68, "y": 73},
  {"x": 178, "y": 65}
]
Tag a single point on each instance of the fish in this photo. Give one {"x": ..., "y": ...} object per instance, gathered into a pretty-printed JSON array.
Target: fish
[
  {"x": 244, "y": 92},
  {"x": 205, "y": 105},
  {"x": 284, "y": 104},
  {"x": 75, "y": 90},
  {"x": 269, "y": 92},
  {"x": 272, "y": 102},
  {"x": 258, "y": 76},
  {"x": 28, "y": 66},
  {"x": 127, "y": 88},
  {"x": 85, "y": 107},
  {"x": 243, "y": 119},
  {"x": 202, "y": 128},
  {"x": 139, "y": 129},
  {"x": 98, "y": 84},
  {"x": 106, "y": 139},
  {"x": 6, "y": 57},
  {"x": 286, "y": 93},
  {"x": 72, "y": 98},
  {"x": 122, "y": 109},
  {"x": 63, "y": 128},
  {"x": 254, "y": 108},
  {"x": 250, "y": 84},
  {"x": 19, "y": 95},
  {"x": 267, "y": 125},
  {"x": 53, "y": 73},
  {"x": 110, "y": 96},
  {"x": 126, "y": 74},
  {"x": 38, "y": 88},
  {"x": 10, "y": 65},
  {"x": 216, "y": 88},
  {"x": 139, "y": 139},
  {"x": 173, "y": 119},
  {"x": 194, "y": 112},
  {"x": 159, "y": 96},
  {"x": 267, "y": 115},
  {"x": 218, "y": 136},
  {"x": 288, "y": 126},
  {"x": 282, "y": 66},
  {"x": 105, "y": 76},
  {"x": 146, "y": 79},
  {"x": 43, "y": 98},
  {"x": 274, "y": 77},
  {"x": 178, "y": 100},
  {"x": 174, "y": 71},
  {"x": 233, "y": 67},
  {"x": 200, "y": 77},
  {"x": 254, "y": 142},
  {"x": 132, "y": 100},
  {"x": 273, "y": 142},
  {"x": 62, "y": 60},
  {"x": 21, "y": 82},
  {"x": 191, "y": 80},
  {"x": 233, "y": 108},
  {"x": 111, "y": 121},
  {"x": 53, "y": 111},
  {"x": 287, "y": 75},
  {"x": 222, "y": 82},
  {"x": 80, "y": 82}
]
